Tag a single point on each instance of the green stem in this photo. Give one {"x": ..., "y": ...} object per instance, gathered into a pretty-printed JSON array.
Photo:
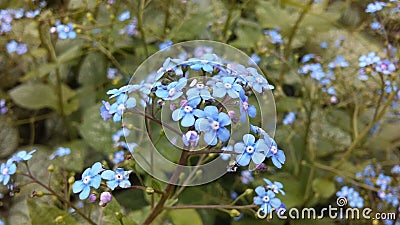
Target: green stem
[
  {"x": 288, "y": 46},
  {"x": 366, "y": 130},
  {"x": 160, "y": 205},
  {"x": 46, "y": 41},
  {"x": 29, "y": 175},
  {"x": 140, "y": 25}
]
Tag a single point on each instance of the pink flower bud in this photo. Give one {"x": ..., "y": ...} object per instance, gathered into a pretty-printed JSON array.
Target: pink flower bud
[{"x": 105, "y": 198}]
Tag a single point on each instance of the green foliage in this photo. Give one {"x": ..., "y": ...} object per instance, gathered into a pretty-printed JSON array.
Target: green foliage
[
  {"x": 185, "y": 216},
  {"x": 44, "y": 214}
]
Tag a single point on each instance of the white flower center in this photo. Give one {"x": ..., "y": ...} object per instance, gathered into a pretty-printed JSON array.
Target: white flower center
[
  {"x": 200, "y": 86},
  {"x": 259, "y": 80},
  {"x": 171, "y": 91},
  {"x": 188, "y": 109},
  {"x": 228, "y": 85},
  {"x": 5, "y": 171},
  {"x": 86, "y": 180},
  {"x": 250, "y": 149},
  {"x": 66, "y": 29},
  {"x": 274, "y": 149},
  {"x": 274, "y": 188},
  {"x": 265, "y": 199},
  {"x": 119, "y": 176},
  {"x": 215, "y": 125}
]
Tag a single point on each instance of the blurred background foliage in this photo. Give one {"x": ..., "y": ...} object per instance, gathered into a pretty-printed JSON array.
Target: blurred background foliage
[{"x": 53, "y": 93}]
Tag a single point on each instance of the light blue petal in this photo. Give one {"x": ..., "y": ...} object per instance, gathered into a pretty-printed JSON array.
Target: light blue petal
[
  {"x": 260, "y": 191},
  {"x": 12, "y": 169},
  {"x": 125, "y": 184},
  {"x": 275, "y": 202},
  {"x": 223, "y": 119},
  {"x": 6, "y": 179},
  {"x": 239, "y": 147},
  {"x": 177, "y": 114},
  {"x": 85, "y": 193},
  {"x": 130, "y": 103},
  {"x": 248, "y": 139},
  {"x": 252, "y": 111},
  {"x": 280, "y": 155},
  {"x": 276, "y": 163},
  {"x": 243, "y": 159},
  {"x": 212, "y": 112},
  {"x": 86, "y": 172},
  {"x": 78, "y": 186},
  {"x": 219, "y": 92},
  {"x": 108, "y": 175},
  {"x": 258, "y": 200},
  {"x": 188, "y": 120},
  {"x": 202, "y": 124},
  {"x": 199, "y": 113},
  {"x": 96, "y": 168},
  {"x": 258, "y": 158},
  {"x": 112, "y": 184},
  {"x": 95, "y": 181},
  {"x": 232, "y": 93},
  {"x": 208, "y": 68},
  {"x": 181, "y": 83},
  {"x": 210, "y": 137},
  {"x": 223, "y": 134}
]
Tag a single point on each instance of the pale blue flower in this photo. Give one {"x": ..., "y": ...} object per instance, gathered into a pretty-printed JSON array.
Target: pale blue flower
[
  {"x": 172, "y": 91},
  {"x": 266, "y": 199},
  {"x": 250, "y": 149},
  {"x": 277, "y": 155},
  {"x": 7, "y": 169},
  {"x": 116, "y": 178},
  {"x": 187, "y": 112},
  {"x": 213, "y": 125},
  {"x": 229, "y": 86},
  {"x": 90, "y": 178}
]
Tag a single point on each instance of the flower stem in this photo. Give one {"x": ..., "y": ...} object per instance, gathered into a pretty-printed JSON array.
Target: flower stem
[{"x": 160, "y": 205}]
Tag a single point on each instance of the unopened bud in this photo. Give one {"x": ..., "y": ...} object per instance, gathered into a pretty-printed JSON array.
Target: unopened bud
[
  {"x": 50, "y": 168},
  {"x": 105, "y": 198},
  {"x": 59, "y": 220},
  {"x": 149, "y": 190},
  {"x": 71, "y": 180},
  {"x": 119, "y": 215},
  {"x": 92, "y": 198},
  {"x": 248, "y": 191},
  {"x": 234, "y": 213}
]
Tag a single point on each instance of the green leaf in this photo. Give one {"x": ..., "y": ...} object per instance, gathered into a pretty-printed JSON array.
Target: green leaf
[
  {"x": 185, "y": 217},
  {"x": 288, "y": 104},
  {"x": 8, "y": 137},
  {"x": 44, "y": 214},
  {"x": 248, "y": 33},
  {"x": 34, "y": 96},
  {"x": 110, "y": 214},
  {"x": 93, "y": 69},
  {"x": 271, "y": 16},
  {"x": 75, "y": 160},
  {"x": 96, "y": 132},
  {"x": 323, "y": 187}
]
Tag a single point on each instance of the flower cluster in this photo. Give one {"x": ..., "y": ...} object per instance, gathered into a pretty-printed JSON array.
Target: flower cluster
[
  {"x": 8, "y": 15},
  {"x": 92, "y": 178},
  {"x": 353, "y": 197},
  {"x": 370, "y": 64},
  {"x": 197, "y": 90},
  {"x": 64, "y": 31},
  {"x": 266, "y": 196},
  {"x": 15, "y": 47},
  {"x": 9, "y": 168}
]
